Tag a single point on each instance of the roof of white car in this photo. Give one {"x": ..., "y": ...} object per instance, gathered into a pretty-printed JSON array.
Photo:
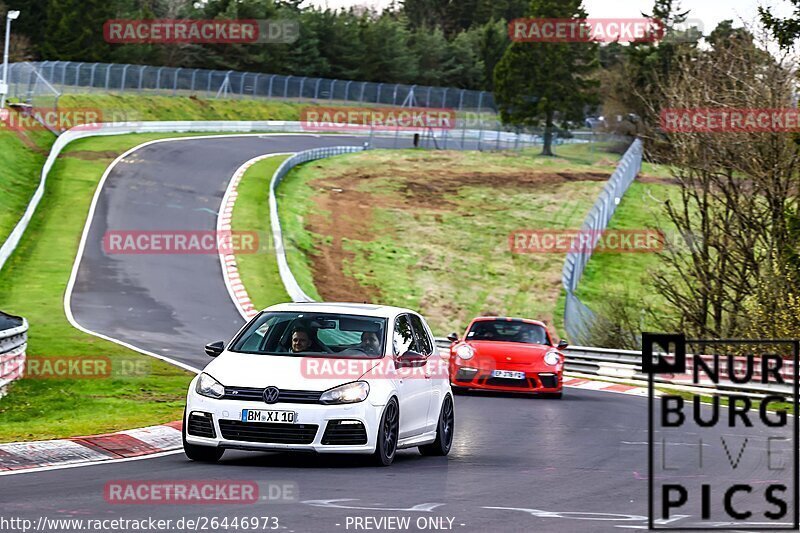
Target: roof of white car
[{"x": 384, "y": 311}]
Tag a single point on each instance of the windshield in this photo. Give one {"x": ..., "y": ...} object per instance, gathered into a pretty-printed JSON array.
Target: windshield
[
  {"x": 313, "y": 334},
  {"x": 507, "y": 331}
]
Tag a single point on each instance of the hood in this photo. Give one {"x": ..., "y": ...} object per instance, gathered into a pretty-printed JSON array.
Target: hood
[
  {"x": 286, "y": 372},
  {"x": 517, "y": 351}
]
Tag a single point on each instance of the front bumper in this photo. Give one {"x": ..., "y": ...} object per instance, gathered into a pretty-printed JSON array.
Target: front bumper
[
  {"x": 537, "y": 379},
  {"x": 307, "y": 433}
]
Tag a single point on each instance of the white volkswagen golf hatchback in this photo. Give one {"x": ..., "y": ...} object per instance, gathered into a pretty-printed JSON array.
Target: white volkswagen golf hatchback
[{"x": 326, "y": 378}]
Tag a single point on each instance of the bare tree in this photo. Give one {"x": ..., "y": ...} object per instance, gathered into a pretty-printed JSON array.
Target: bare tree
[{"x": 739, "y": 194}]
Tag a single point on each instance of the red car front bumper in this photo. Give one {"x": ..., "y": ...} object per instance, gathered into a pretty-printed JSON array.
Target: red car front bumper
[{"x": 537, "y": 380}]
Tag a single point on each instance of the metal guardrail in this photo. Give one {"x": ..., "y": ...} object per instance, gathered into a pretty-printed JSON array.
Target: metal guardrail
[
  {"x": 578, "y": 318},
  {"x": 13, "y": 343}
]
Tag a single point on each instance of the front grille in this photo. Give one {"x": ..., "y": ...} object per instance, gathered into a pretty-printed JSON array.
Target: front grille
[
  {"x": 268, "y": 432},
  {"x": 549, "y": 381},
  {"x": 201, "y": 426},
  {"x": 338, "y": 432},
  {"x": 247, "y": 394},
  {"x": 508, "y": 382}
]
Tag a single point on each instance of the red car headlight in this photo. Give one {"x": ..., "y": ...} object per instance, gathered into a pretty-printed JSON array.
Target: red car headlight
[
  {"x": 465, "y": 351},
  {"x": 552, "y": 358}
]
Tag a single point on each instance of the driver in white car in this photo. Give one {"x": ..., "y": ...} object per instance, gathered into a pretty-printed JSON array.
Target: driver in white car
[{"x": 304, "y": 341}]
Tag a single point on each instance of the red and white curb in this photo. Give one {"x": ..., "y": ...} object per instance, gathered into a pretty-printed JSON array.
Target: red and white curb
[
  {"x": 230, "y": 269},
  {"x": 95, "y": 448},
  {"x": 604, "y": 386}
]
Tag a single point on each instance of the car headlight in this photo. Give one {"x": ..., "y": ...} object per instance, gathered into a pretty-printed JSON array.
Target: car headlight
[
  {"x": 465, "y": 351},
  {"x": 552, "y": 358},
  {"x": 209, "y": 387},
  {"x": 354, "y": 392}
]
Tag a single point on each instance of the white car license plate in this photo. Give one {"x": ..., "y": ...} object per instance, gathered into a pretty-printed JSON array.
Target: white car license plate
[
  {"x": 259, "y": 415},
  {"x": 509, "y": 374}
]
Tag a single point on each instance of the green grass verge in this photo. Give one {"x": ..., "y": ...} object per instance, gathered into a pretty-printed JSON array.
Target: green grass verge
[
  {"x": 259, "y": 271},
  {"x": 20, "y": 169},
  {"x": 629, "y": 275},
  {"x": 451, "y": 263},
  {"x": 33, "y": 284},
  {"x": 122, "y": 107},
  {"x": 22, "y": 154}
]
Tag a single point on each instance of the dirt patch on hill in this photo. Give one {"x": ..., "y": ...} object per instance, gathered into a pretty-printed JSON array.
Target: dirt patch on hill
[{"x": 349, "y": 213}]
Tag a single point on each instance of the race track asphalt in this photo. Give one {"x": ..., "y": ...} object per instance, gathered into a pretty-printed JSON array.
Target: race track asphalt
[{"x": 518, "y": 464}]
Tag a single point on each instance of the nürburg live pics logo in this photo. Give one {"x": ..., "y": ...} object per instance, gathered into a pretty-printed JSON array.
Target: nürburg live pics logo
[{"x": 723, "y": 438}]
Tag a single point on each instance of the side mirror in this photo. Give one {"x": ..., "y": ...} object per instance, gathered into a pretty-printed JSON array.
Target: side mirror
[
  {"x": 562, "y": 344},
  {"x": 215, "y": 348},
  {"x": 410, "y": 360},
  {"x": 453, "y": 337}
]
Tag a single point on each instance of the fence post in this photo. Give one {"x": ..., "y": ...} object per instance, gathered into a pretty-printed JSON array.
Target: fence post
[
  {"x": 316, "y": 89},
  {"x": 269, "y": 92},
  {"x": 194, "y": 76},
  {"x": 122, "y": 81},
  {"x": 108, "y": 76},
  {"x": 158, "y": 78},
  {"x": 347, "y": 90},
  {"x": 175, "y": 81},
  {"x": 91, "y": 78},
  {"x": 361, "y": 96},
  {"x": 286, "y": 86},
  {"x": 141, "y": 76},
  {"x": 64, "y": 74}
]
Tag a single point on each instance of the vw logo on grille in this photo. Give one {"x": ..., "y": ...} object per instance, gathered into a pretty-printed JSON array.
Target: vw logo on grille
[{"x": 271, "y": 394}]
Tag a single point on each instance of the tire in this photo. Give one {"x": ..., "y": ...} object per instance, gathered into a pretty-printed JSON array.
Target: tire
[
  {"x": 201, "y": 454},
  {"x": 388, "y": 432},
  {"x": 444, "y": 431}
]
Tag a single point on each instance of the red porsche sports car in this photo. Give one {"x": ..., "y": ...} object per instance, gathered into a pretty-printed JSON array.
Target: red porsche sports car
[{"x": 507, "y": 354}]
